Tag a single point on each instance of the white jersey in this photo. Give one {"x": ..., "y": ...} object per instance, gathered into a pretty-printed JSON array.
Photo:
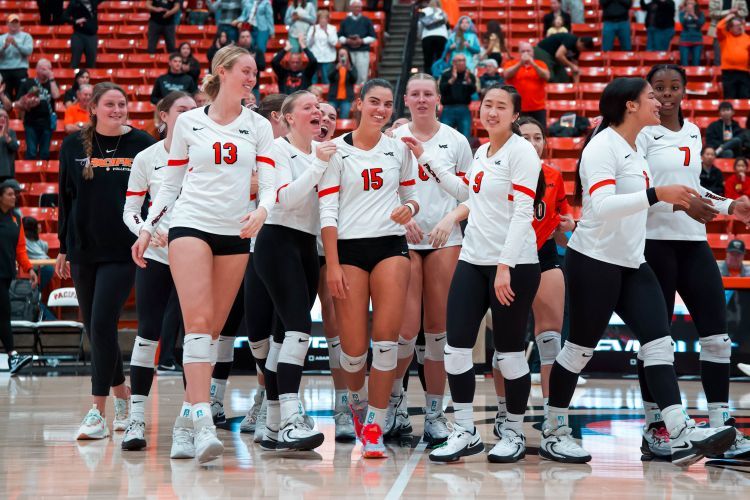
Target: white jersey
[
  {"x": 614, "y": 178},
  {"x": 146, "y": 179},
  {"x": 447, "y": 151},
  {"x": 297, "y": 177},
  {"x": 360, "y": 189},
  {"x": 218, "y": 160},
  {"x": 501, "y": 205},
  {"x": 675, "y": 158}
]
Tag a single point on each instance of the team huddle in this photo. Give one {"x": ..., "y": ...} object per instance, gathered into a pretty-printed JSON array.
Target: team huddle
[{"x": 252, "y": 214}]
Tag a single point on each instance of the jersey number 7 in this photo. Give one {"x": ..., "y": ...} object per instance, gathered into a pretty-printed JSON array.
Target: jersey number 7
[
  {"x": 231, "y": 150},
  {"x": 685, "y": 150},
  {"x": 372, "y": 178}
]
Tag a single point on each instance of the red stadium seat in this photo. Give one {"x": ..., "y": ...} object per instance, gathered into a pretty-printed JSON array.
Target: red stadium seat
[
  {"x": 36, "y": 190},
  {"x": 555, "y": 109},
  {"x": 564, "y": 147},
  {"x": 703, "y": 90},
  {"x": 52, "y": 171},
  {"x": 591, "y": 90},
  {"x": 556, "y": 91},
  {"x": 622, "y": 59},
  {"x": 592, "y": 60},
  {"x": 30, "y": 170}
]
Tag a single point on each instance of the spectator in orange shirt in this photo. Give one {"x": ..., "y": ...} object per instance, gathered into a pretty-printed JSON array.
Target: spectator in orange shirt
[
  {"x": 738, "y": 184},
  {"x": 342, "y": 78},
  {"x": 77, "y": 114},
  {"x": 529, "y": 76},
  {"x": 735, "y": 57}
]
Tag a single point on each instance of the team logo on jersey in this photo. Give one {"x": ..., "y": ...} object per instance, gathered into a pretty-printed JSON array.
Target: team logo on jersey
[
  {"x": 195, "y": 129},
  {"x": 244, "y": 132},
  {"x": 389, "y": 153},
  {"x": 499, "y": 162},
  {"x": 693, "y": 136},
  {"x": 293, "y": 157},
  {"x": 443, "y": 146},
  {"x": 344, "y": 157},
  {"x": 159, "y": 167},
  {"x": 657, "y": 137},
  {"x": 627, "y": 156}
]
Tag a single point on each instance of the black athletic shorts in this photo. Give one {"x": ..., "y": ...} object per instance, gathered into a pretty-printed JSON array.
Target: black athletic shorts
[
  {"x": 220, "y": 244},
  {"x": 548, "y": 258},
  {"x": 322, "y": 260},
  {"x": 366, "y": 253},
  {"x": 423, "y": 252}
]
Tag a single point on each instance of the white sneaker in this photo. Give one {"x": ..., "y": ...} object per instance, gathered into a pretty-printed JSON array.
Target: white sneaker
[
  {"x": 296, "y": 435},
  {"x": 741, "y": 446},
  {"x": 559, "y": 445},
  {"x": 691, "y": 443},
  {"x": 135, "y": 436},
  {"x": 342, "y": 419},
  {"x": 207, "y": 445},
  {"x": 655, "y": 442},
  {"x": 260, "y": 424},
  {"x": 581, "y": 381},
  {"x": 372, "y": 442},
  {"x": 93, "y": 426},
  {"x": 510, "y": 449},
  {"x": 460, "y": 443},
  {"x": 744, "y": 368},
  {"x": 536, "y": 379},
  {"x": 270, "y": 439},
  {"x": 436, "y": 429},
  {"x": 121, "y": 421},
  {"x": 497, "y": 428},
  {"x": 401, "y": 423},
  {"x": 251, "y": 419},
  {"x": 182, "y": 443},
  {"x": 217, "y": 413}
]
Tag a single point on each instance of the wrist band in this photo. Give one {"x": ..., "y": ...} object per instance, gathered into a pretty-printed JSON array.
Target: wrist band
[
  {"x": 651, "y": 195},
  {"x": 411, "y": 207}
]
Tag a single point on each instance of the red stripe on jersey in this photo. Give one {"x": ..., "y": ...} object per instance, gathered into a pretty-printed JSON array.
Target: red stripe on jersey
[
  {"x": 410, "y": 182},
  {"x": 605, "y": 182},
  {"x": 466, "y": 179},
  {"x": 177, "y": 163},
  {"x": 510, "y": 197},
  {"x": 253, "y": 196},
  {"x": 461, "y": 174},
  {"x": 327, "y": 191},
  {"x": 279, "y": 190},
  {"x": 265, "y": 159},
  {"x": 524, "y": 190},
  {"x": 135, "y": 193}
]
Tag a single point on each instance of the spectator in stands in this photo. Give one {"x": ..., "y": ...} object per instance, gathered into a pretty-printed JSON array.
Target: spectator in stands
[
  {"x": 318, "y": 92},
  {"x": 15, "y": 49},
  {"x": 174, "y": 79},
  {"x": 494, "y": 44},
  {"x": 225, "y": 12},
  {"x": 717, "y": 10},
  {"x": 733, "y": 264},
  {"x": 77, "y": 114},
  {"x": 616, "y": 17},
  {"x": 190, "y": 65},
  {"x": 432, "y": 30},
  {"x": 463, "y": 40},
  {"x": 322, "y": 39},
  {"x": 555, "y": 12},
  {"x": 279, "y": 10},
  {"x": 8, "y": 148},
  {"x": 342, "y": 79},
  {"x": 711, "y": 177},
  {"x": 691, "y": 36},
  {"x": 50, "y": 12},
  {"x": 83, "y": 15},
  {"x": 738, "y": 184},
  {"x": 300, "y": 16},
  {"x": 529, "y": 76},
  {"x": 735, "y": 57},
  {"x": 197, "y": 12},
  {"x": 259, "y": 15},
  {"x": 201, "y": 98},
  {"x": 221, "y": 40},
  {"x": 659, "y": 23},
  {"x": 82, "y": 78},
  {"x": 356, "y": 33},
  {"x": 557, "y": 27},
  {"x": 491, "y": 75},
  {"x": 723, "y": 130},
  {"x": 575, "y": 9},
  {"x": 457, "y": 86},
  {"x": 37, "y": 101},
  {"x": 294, "y": 70},
  {"x": 162, "y": 23},
  {"x": 561, "y": 51},
  {"x": 5, "y": 102},
  {"x": 38, "y": 249},
  {"x": 372, "y": 6},
  {"x": 246, "y": 42}
]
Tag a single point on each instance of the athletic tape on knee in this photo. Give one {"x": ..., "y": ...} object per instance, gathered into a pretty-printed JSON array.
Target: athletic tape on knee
[
  {"x": 495, "y": 362},
  {"x": 716, "y": 348},
  {"x": 144, "y": 352},
  {"x": 260, "y": 348},
  {"x": 197, "y": 348},
  {"x": 419, "y": 352},
  {"x": 273, "y": 356},
  {"x": 225, "y": 349},
  {"x": 294, "y": 348},
  {"x": 574, "y": 358},
  {"x": 334, "y": 353},
  {"x": 352, "y": 364},
  {"x": 384, "y": 355},
  {"x": 512, "y": 365},
  {"x": 406, "y": 347},
  {"x": 548, "y": 344},
  {"x": 435, "y": 346},
  {"x": 657, "y": 352},
  {"x": 458, "y": 360}
]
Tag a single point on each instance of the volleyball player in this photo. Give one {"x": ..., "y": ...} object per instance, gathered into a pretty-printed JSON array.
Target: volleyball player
[
  {"x": 366, "y": 196},
  {"x": 94, "y": 167},
  {"x": 498, "y": 269},
  {"x": 607, "y": 273},
  {"x": 678, "y": 253},
  {"x": 442, "y": 149},
  {"x": 217, "y": 145},
  {"x": 154, "y": 284}
]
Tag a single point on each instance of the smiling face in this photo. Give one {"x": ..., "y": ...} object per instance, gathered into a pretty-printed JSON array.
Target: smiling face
[
  {"x": 645, "y": 110},
  {"x": 669, "y": 91},
  {"x": 84, "y": 96},
  {"x": 534, "y": 135},
  {"x": 496, "y": 111},
  {"x": 240, "y": 79},
  {"x": 178, "y": 107},
  {"x": 327, "y": 122},
  {"x": 304, "y": 116},
  {"x": 422, "y": 98},
  {"x": 376, "y": 107},
  {"x": 111, "y": 110}
]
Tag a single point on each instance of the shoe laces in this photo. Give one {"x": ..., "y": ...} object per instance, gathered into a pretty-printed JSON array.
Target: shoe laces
[
  {"x": 93, "y": 417},
  {"x": 342, "y": 417},
  {"x": 182, "y": 435},
  {"x": 135, "y": 425},
  {"x": 661, "y": 434},
  {"x": 371, "y": 434},
  {"x": 206, "y": 432}
]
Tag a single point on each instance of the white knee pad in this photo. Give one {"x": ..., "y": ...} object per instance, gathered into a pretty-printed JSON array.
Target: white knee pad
[
  {"x": 294, "y": 348},
  {"x": 334, "y": 353},
  {"x": 574, "y": 358},
  {"x": 260, "y": 348},
  {"x": 548, "y": 344},
  {"x": 273, "y": 356},
  {"x": 657, "y": 352},
  {"x": 385, "y": 355},
  {"x": 457, "y": 360},
  {"x": 495, "y": 362},
  {"x": 196, "y": 348},
  {"x": 406, "y": 347},
  {"x": 225, "y": 349},
  {"x": 214, "y": 351},
  {"x": 352, "y": 364},
  {"x": 512, "y": 365},
  {"x": 144, "y": 352},
  {"x": 435, "y": 346},
  {"x": 716, "y": 348},
  {"x": 419, "y": 351}
]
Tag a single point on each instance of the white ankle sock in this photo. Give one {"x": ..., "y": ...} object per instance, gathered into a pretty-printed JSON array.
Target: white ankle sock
[
  {"x": 218, "y": 387},
  {"x": 376, "y": 416},
  {"x": 546, "y": 408},
  {"x": 434, "y": 404},
  {"x": 342, "y": 400},
  {"x": 289, "y": 407},
  {"x": 359, "y": 397},
  {"x": 674, "y": 417},
  {"x": 558, "y": 417},
  {"x": 652, "y": 412},
  {"x": 501, "y": 406},
  {"x": 718, "y": 414},
  {"x": 273, "y": 417},
  {"x": 464, "y": 415},
  {"x": 514, "y": 422},
  {"x": 138, "y": 407},
  {"x": 202, "y": 416}
]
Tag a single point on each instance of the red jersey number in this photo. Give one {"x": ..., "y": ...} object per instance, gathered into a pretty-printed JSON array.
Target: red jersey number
[
  {"x": 231, "y": 153},
  {"x": 685, "y": 150},
  {"x": 372, "y": 179},
  {"x": 478, "y": 182}
]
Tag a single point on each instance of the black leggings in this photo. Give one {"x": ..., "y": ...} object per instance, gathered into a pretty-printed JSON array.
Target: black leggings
[
  {"x": 6, "y": 333},
  {"x": 102, "y": 289},
  {"x": 287, "y": 262},
  {"x": 689, "y": 267},
  {"x": 597, "y": 289},
  {"x": 471, "y": 293},
  {"x": 432, "y": 49}
]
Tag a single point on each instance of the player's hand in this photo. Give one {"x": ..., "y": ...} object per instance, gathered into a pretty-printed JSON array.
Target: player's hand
[
  {"x": 139, "y": 248},
  {"x": 252, "y": 223},
  {"x": 159, "y": 239},
  {"x": 414, "y": 233},
  {"x": 741, "y": 209},
  {"x": 337, "y": 282},
  {"x": 401, "y": 215},
  {"x": 677, "y": 195},
  {"x": 62, "y": 266},
  {"x": 702, "y": 210},
  {"x": 439, "y": 235},
  {"x": 414, "y": 145},
  {"x": 325, "y": 150},
  {"x": 503, "y": 290},
  {"x": 566, "y": 223}
]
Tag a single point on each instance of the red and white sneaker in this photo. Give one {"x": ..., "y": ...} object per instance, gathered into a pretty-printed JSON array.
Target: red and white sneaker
[
  {"x": 372, "y": 441},
  {"x": 655, "y": 442},
  {"x": 358, "y": 416}
]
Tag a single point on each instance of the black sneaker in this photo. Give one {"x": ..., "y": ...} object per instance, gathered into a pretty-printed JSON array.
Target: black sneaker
[
  {"x": 171, "y": 369},
  {"x": 16, "y": 362}
]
